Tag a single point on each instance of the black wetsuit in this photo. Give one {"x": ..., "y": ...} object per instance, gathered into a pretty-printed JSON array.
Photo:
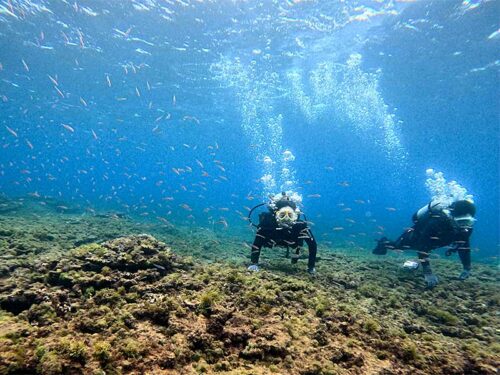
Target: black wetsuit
[
  {"x": 434, "y": 230},
  {"x": 270, "y": 234}
]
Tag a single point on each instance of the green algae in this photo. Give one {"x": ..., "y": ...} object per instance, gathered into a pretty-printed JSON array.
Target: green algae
[
  {"x": 442, "y": 316},
  {"x": 132, "y": 349},
  {"x": 102, "y": 351},
  {"x": 409, "y": 352},
  {"x": 50, "y": 363},
  {"x": 208, "y": 300},
  {"x": 371, "y": 326},
  {"x": 73, "y": 349}
]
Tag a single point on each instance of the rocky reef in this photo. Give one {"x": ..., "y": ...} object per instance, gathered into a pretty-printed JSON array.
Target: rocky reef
[{"x": 137, "y": 305}]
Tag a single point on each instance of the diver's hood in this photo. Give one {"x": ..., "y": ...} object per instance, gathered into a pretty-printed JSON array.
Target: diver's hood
[
  {"x": 462, "y": 208},
  {"x": 285, "y": 202}
]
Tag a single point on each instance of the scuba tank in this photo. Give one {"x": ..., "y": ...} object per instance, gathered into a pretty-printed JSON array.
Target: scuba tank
[{"x": 432, "y": 209}]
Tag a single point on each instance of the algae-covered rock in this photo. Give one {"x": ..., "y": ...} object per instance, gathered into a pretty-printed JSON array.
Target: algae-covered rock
[
  {"x": 127, "y": 254},
  {"x": 442, "y": 316},
  {"x": 19, "y": 300},
  {"x": 135, "y": 305}
]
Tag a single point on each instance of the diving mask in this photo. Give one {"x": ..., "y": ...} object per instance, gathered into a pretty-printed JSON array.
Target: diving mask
[
  {"x": 466, "y": 221},
  {"x": 286, "y": 216}
]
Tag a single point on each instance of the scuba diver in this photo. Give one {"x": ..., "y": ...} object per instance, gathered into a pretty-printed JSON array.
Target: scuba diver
[
  {"x": 436, "y": 225},
  {"x": 280, "y": 226}
]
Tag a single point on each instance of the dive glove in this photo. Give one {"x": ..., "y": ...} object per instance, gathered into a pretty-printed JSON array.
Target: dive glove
[{"x": 253, "y": 268}]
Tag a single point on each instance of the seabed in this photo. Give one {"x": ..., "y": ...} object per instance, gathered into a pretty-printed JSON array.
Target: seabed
[{"x": 104, "y": 294}]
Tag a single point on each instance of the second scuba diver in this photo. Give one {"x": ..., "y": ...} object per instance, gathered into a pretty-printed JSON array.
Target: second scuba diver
[
  {"x": 436, "y": 225},
  {"x": 281, "y": 226}
]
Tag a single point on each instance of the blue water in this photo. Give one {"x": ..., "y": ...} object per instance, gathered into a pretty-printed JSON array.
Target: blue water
[{"x": 170, "y": 108}]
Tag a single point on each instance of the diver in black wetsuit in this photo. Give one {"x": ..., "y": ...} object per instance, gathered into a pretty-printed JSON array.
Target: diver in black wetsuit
[
  {"x": 280, "y": 226},
  {"x": 437, "y": 225}
]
